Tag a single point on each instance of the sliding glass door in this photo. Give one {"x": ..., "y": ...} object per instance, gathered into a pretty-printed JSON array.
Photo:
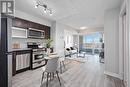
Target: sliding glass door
[{"x": 92, "y": 42}]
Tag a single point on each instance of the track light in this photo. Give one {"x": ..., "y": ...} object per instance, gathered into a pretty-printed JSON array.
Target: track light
[
  {"x": 51, "y": 14},
  {"x": 36, "y": 6},
  {"x": 46, "y": 9}
]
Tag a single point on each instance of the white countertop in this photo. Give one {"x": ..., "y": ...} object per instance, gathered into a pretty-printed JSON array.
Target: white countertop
[{"x": 52, "y": 56}]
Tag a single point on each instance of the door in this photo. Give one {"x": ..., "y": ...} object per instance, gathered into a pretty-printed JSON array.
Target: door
[{"x": 125, "y": 43}]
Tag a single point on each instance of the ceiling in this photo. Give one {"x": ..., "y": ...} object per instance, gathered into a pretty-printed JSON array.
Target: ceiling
[{"x": 75, "y": 13}]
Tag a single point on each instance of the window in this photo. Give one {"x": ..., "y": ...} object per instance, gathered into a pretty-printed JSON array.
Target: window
[
  {"x": 93, "y": 37},
  {"x": 92, "y": 40}
]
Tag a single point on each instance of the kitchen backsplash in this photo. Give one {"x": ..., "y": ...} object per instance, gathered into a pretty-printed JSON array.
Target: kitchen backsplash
[{"x": 23, "y": 41}]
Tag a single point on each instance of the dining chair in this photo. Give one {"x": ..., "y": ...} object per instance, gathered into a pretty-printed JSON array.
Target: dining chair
[{"x": 51, "y": 69}]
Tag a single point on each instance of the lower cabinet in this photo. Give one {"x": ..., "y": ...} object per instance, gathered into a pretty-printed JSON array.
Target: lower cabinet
[{"x": 22, "y": 61}]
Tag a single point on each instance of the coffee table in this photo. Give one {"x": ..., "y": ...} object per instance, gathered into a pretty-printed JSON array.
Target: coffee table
[{"x": 82, "y": 54}]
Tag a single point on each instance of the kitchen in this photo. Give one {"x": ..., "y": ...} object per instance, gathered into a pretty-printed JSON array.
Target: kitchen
[{"x": 28, "y": 45}]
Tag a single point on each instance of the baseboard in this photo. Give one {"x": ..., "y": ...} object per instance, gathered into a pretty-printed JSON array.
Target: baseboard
[
  {"x": 125, "y": 83},
  {"x": 113, "y": 74}
]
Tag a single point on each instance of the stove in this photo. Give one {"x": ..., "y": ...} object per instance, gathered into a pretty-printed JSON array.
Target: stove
[{"x": 38, "y": 55}]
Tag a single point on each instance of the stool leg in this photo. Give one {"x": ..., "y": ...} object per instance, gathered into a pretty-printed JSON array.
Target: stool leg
[
  {"x": 42, "y": 77},
  {"x": 63, "y": 64},
  {"x": 47, "y": 80},
  {"x": 58, "y": 77},
  {"x": 53, "y": 75},
  {"x": 50, "y": 76},
  {"x": 60, "y": 68}
]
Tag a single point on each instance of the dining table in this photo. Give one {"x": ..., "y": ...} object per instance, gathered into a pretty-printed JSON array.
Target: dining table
[{"x": 51, "y": 55}]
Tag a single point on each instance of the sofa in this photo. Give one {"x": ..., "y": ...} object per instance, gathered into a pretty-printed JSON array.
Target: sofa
[
  {"x": 70, "y": 51},
  {"x": 90, "y": 51}
]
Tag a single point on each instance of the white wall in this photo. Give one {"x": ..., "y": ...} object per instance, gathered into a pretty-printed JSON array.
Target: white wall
[
  {"x": 69, "y": 38},
  {"x": 76, "y": 40},
  {"x": 9, "y": 56},
  {"x": 123, "y": 44},
  {"x": 111, "y": 32},
  {"x": 53, "y": 34},
  {"x": 58, "y": 35},
  {"x": 57, "y": 31},
  {"x": 59, "y": 38},
  {"x": 128, "y": 25}
]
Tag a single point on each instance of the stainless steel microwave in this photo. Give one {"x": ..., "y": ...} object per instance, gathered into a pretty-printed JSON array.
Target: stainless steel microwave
[{"x": 36, "y": 33}]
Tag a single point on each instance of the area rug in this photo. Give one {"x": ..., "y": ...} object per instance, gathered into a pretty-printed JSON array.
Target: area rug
[{"x": 78, "y": 59}]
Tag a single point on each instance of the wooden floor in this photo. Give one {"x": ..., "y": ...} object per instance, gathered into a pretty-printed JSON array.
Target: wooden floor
[{"x": 76, "y": 74}]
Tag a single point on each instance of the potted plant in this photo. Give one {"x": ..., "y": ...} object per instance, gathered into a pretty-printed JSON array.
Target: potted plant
[{"x": 48, "y": 45}]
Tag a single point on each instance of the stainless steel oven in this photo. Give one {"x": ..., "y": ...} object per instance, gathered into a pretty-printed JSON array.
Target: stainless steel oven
[
  {"x": 38, "y": 55},
  {"x": 38, "y": 58},
  {"x": 35, "y": 33}
]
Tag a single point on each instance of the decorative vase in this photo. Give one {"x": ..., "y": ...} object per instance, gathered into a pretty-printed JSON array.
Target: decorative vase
[{"x": 48, "y": 51}]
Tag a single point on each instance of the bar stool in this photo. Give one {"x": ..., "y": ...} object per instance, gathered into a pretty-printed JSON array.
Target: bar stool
[{"x": 62, "y": 64}]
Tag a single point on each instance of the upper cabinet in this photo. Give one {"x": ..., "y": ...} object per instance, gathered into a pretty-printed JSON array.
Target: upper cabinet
[
  {"x": 21, "y": 23},
  {"x": 41, "y": 27},
  {"x": 47, "y": 32},
  {"x": 17, "y": 22},
  {"x": 19, "y": 32},
  {"x": 36, "y": 25}
]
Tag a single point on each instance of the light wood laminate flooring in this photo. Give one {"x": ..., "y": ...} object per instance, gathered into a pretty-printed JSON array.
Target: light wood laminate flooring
[{"x": 76, "y": 74}]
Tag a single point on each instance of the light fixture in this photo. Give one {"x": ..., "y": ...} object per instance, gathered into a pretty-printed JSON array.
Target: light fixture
[
  {"x": 51, "y": 14},
  {"x": 45, "y": 7},
  {"x": 45, "y": 10},
  {"x": 82, "y": 28},
  {"x": 36, "y": 6}
]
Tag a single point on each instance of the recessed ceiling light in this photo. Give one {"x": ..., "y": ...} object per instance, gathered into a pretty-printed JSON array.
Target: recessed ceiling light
[{"x": 82, "y": 28}]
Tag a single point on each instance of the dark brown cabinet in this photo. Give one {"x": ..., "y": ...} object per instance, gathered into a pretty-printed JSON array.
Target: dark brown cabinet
[
  {"x": 21, "y": 60},
  {"x": 41, "y": 27},
  {"x": 47, "y": 32},
  {"x": 17, "y": 22},
  {"x": 35, "y": 25},
  {"x": 21, "y": 23}
]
